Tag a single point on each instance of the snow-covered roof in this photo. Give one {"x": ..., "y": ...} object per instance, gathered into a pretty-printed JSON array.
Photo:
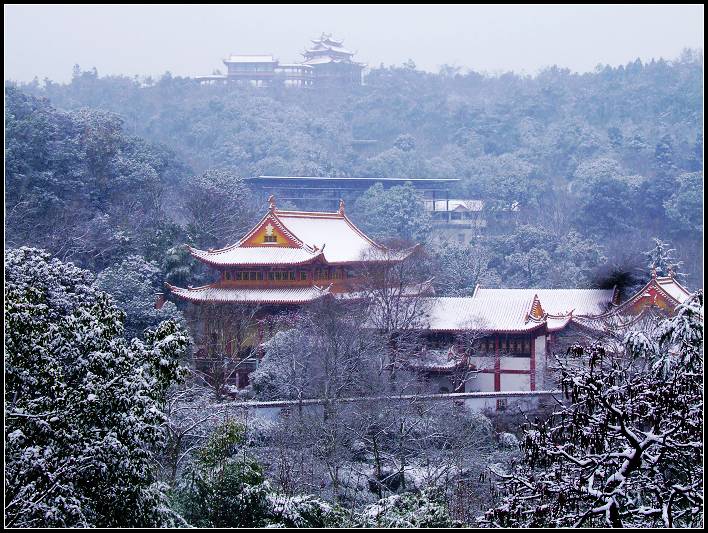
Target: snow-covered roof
[
  {"x": 516, "y": 310},
  {"x": 321, "y": 60},
  {"x": 250, "y": 59},
  {"x": 257, "y": 256},
  {"x": 333, "y": 233},
  {"x": 558, "y": 301},
  {"x": 511, "y": 313},
  {"x": 673, "y": 288},
  {"x": 327, "y": 38},
  {"x": 293, "y": 65},
  {"x": 311, "y": 235},
  {"x": 270, "y": 295},
  {"x": 325, "y": 47}
]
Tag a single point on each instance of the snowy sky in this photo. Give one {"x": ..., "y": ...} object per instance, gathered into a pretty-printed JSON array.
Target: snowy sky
[{"x": 46, "y": 41}]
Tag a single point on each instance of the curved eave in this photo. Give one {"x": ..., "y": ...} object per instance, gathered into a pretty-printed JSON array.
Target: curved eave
[
  {"x": 189, "y": 295},
  {"x": 487, "y": 331},
  {"x": 221, "y": 264}
]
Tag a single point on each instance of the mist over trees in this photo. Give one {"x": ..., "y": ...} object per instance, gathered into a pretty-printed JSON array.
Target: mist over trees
[{"x": 614, "y": 155}]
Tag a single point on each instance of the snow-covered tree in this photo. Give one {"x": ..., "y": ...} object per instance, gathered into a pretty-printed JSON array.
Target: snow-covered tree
[
  {"x": 395, "y": 214},
  {"x": 83, "y": 406},
  {"x": 461, "y": 267},
  {"x": 626, "y": 447},
  {"x": 218, "y": 208},
  {"x": 133, "y": 283},
  {"x": 662, "y": 258}
]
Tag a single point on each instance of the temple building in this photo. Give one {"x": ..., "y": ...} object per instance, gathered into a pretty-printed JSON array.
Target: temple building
[
  {"x": 288, "y": 260},
  {"x": 326, "y": 64},
  {"x": 504, "y": 339}
]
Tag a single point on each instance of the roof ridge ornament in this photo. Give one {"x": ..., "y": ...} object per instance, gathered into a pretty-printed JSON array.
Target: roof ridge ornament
[
  {"x": 341, "y": 207},
  {"x": 653, "y": 272},
  {"x": 271, "y": 203}
]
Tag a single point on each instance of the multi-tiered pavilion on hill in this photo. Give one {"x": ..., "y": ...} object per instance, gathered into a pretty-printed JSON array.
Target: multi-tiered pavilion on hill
[{"x": 333, "y": 64}]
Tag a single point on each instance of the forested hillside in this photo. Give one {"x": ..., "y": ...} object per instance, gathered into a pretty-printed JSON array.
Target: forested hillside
[{"x": 613, "y": 156}]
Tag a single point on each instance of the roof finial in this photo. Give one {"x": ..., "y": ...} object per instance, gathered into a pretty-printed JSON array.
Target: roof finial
[
  {"x": 653, "y": 272},
  {"x": 271, "y": 203},
  {"x": 341, "y": 206}
]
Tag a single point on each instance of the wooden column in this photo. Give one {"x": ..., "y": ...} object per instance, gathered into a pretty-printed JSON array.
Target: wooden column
[
  {"x": 497, "y": 365},
  {"x": 532, "y": 364},
  {"x": 497, "y": 370}
]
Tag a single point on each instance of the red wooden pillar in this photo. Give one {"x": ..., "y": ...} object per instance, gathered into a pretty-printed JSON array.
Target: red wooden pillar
[
  {"x": 497, "y": 366},
  {"x": 497, "y": 371},
  {"x": 532, "y": 363}
]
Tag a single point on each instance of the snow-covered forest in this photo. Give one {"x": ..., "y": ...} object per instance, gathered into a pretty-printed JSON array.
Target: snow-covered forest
[{"x": 109, "y": 423}]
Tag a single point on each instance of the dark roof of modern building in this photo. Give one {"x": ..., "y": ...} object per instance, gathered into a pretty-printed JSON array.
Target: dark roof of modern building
[{"x": 353, "y": 179}]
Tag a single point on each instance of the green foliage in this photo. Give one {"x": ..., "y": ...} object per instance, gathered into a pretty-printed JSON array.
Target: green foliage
[
  {"x": 393, "y": 214},
  {"x": 83, "y": 406},
  {"x": 133, "y": 283},
  {"x": 533, "y": 256},
  {"x": 685, "y": 206},
  {"x": 222, "y": 444},
  {"x": 234, "y": 495}
]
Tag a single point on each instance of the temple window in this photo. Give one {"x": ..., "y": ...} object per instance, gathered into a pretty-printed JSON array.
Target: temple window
[
  {"x": 252, "y": 276},
  {"x": 237, "y": 276},
  {"x": 303, "y": 276},
  {"x": 292, "y": 275},
  {"x": 259, "y": 276},
  {"x": 277, "y": 276},
  {"x": 271, "y": 276},
  {"x": 270, "y": 238}
]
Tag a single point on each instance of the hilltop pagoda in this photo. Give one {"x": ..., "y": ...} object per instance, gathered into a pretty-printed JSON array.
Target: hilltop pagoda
[{"x": 333, "y": 64}]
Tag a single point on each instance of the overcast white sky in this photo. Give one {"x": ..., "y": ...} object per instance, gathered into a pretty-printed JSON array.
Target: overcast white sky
[{"x": 46, "y": 41}]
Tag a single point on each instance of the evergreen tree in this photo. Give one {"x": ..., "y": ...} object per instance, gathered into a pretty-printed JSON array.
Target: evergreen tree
[{"x": 83, "y": 405}]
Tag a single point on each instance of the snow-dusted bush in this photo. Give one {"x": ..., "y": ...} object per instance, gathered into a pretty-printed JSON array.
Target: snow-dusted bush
[
  {"x": 282, "y": 372},
  {"x": 508, "y": 440},
  {"x": 83, "y": 406},
  {"x": 412, "y": 509},
  {"x": 303, "y": 511}
]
